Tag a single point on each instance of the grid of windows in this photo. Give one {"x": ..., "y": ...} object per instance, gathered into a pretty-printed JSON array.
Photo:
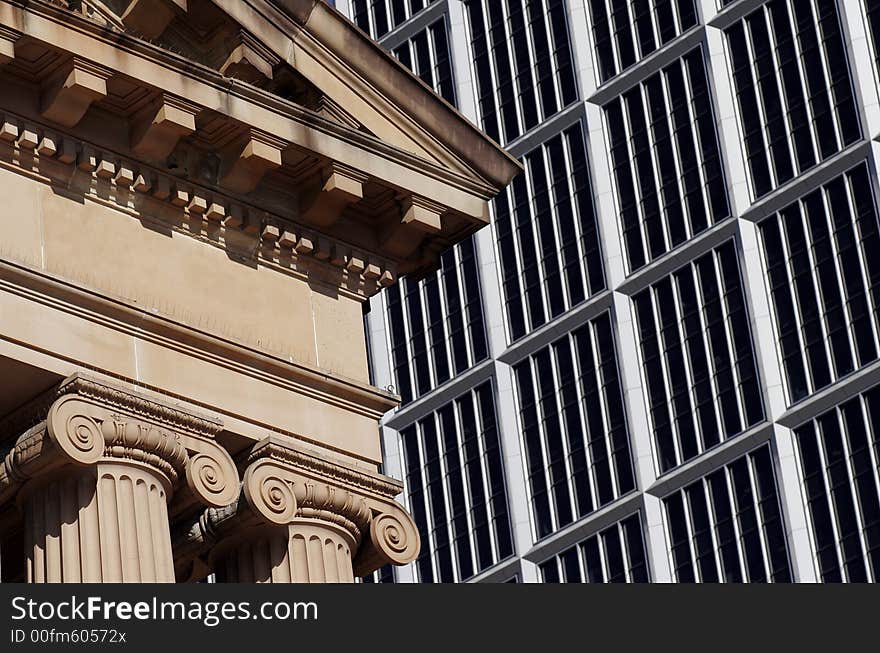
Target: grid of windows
[
  {"x": 796, "y": 109},
  {"x": 378, "y": 17},
  {"x": 615, "y": 555},
  {"x": 794, "y": 91},
  {"x": 839, "y": 451},
  {"x": 727, "y": 526},
  {"x": 427, "y": 55},
  {"x": 667, "y": 168},
  {"x": 823, "y": 260},
  {"x": 547, "y": 235},
  {"x": 700, "y": 369},
  {"x": 625, "y": 31},
  {"x": 574, "y": 426},
  {"x": 436, "y": 325},
  {"x": 521, "y": 61},
  {"x": 455, "y": 488}
]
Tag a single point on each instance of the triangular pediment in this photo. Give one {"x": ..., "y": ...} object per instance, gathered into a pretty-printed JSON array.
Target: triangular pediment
[{"x": 305, "y": 52}]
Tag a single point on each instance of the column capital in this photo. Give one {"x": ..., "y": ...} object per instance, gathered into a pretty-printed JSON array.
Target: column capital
[
  {"x": 84, "y": 421},
  {"x": 286, "y": 487},
  {"x": 283, "y": 481}
]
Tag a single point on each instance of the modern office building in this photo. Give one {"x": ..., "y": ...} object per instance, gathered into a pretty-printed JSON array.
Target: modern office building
[{"x": 660, "y": 362}]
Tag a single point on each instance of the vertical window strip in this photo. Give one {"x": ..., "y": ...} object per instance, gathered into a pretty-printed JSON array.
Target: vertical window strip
[
  {"x": 860, "y": 253},
  {"x": 662, "y": 136},
  {"x": 730, "y": 330},
  {"x": 431, "y": 342},
  {"x": 778, "y": 132},
  {"x": 573, "y": 465},
  {"x": 547, "y": 235},
  {"x": 626, "y": 31},
  {"x": 820, "y": 270},
  {"x": 794, "y": 89},
  {"x": 671, "y": 344},
  {"x": 603, "y": 444},
  {"x": 521, "y": 64},
  {"x": 691, "y": 280},
  {"x": 720, "y": 528},
  {"x": 616, "y": 554},
  {"x": 486, "y": 489},
  {"x": 834, "y": 287},
  {"x": 444, "y": 470},
  {"x": 838, "y": 454},
  {"x": 872, "y": 13}
]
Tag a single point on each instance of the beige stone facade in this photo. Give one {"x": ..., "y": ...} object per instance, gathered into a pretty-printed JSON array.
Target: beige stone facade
[{"x": 197, "y": 198}]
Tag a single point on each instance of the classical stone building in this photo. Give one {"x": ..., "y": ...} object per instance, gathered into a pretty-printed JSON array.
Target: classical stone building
[{"x": 198, "y": 196}]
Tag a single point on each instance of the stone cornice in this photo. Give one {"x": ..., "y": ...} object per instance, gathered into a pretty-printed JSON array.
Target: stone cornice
[
  {"x": 331, "y": 32},
  {"x": 297, "y": 116},
  {"x": 141, "y": 190},
  {"x": 285, "y": 451}
]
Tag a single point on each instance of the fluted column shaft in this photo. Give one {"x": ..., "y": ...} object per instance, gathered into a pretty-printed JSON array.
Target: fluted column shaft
[
  {"x": 105, "y": 524},
  {"x": 305, "y": 551}
]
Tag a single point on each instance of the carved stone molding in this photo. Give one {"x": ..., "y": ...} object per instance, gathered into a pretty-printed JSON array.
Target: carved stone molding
[
  {"x": 249, "y": 163},
  {"x": 279, "y": 244},
  {"x": 83, "y": 421},
  {"x": 393, "y": 539},
  {"x": 284, "y": 486},
  {"x": 340, "y": 186},
  {"x": 8, "y": 38},
  {"x": 69, "y": 93},
  {"x": 249, "y": 60},
  {"x": 419, "y": 218},
  {"x": 298, "y": 511},
  {"x": 101, "y": 473},
  {"x": 158, "y": 127}
]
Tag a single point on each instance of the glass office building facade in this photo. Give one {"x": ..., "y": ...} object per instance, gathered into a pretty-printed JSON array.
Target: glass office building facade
[{"x": 662, "y": 360}]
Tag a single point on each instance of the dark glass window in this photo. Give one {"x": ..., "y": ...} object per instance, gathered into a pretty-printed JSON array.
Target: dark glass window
[
  {"x": 436, "y": 327},
  {"x": 727, "y": 526},
  {"x": 455, "y": 487},
  {"x": 665, "y": 160},
  {"x": 794, "y": 88},
  {"x": 626, "y": 31},
  {"x": 574, "y": 426},
  {"x": 427, "y": 55},
  {"x": 838, "y": 454},
  {"x": 548, "y": 240},
  {"x": 700, "y": 372},
  {"x": 383, "y": 575},
  {"x": 823, "y": 263},
  {"x": 614, "y": 555},
  {"x": 522, "y": 63},
  {"x": 378, "y": 17}
]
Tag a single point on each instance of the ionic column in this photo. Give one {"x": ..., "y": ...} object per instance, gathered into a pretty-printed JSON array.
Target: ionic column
[
  {"x": 303, "y": 519},
  {"x": 95, "y": 480}
]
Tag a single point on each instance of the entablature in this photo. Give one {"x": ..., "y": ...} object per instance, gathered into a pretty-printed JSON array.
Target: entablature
[{"x": 253, "y": 157}]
